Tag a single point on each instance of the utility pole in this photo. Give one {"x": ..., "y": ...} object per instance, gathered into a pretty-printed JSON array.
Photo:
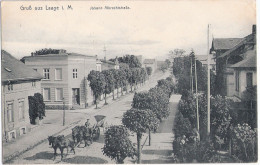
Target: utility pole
[
  {"x": 191, "y": 74},
  {"x": 197, "y": 101},
  {"x": 208, "y": 128},
  {"x": 63, "y": 111},
  {"x": 105, "y": 58}
]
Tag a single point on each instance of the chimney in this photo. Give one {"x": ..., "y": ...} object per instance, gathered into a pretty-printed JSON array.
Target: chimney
[{"x": 254, "y": 29}]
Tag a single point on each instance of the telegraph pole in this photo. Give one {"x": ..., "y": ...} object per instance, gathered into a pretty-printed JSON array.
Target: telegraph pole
[
  {"x": 208, "y": 128},
  {"x": 197, "y": 101},
  {"x": 191, "y": 74}
]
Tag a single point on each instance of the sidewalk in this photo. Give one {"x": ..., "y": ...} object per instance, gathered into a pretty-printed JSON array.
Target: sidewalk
[
  {"x": 160, "y": 150},
  {"x": 52, "y": 125}
]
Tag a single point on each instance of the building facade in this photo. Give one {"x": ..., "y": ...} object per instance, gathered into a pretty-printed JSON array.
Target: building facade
[
  {"x": 65, "y": 78},
  {"x": 18, "y": 83}
]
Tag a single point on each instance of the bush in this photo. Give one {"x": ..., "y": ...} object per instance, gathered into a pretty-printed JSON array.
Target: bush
[
  {"x": 195, "y": 152},
  {"x": 244, "y": 143},
  {"x": 181, "y": 126}
]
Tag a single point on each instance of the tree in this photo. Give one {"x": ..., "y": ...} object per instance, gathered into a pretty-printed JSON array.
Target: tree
[
  {"x": 160, "y": 102},
  {"x": 143, "y": 75},
  {"x": 166, "y": 84},
  {"x": 163, "y": 67},
  {"x": 36, "y": 107},
  {"x": 131, "y": 60},
  {"x": 128, "y": 73},
  {"x": 117, "y": 77},
  {"x": 109, "y": 79},
  {"x": 97, "y": 83},
  {"x": 123, "y": 79},
  {"x": 176, "y": 53},
  {"x": 149, "y": 71},
  {"x": 134, "y": 77},
  {"x": 142, "y": 101},
  {"x": 139, "y": 121},
  {"x": 168, "y": 62},
  {"x": 117, "y": 145}
]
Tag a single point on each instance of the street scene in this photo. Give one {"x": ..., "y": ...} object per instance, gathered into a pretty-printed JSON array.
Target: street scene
[{"x": 114, "y": 83}]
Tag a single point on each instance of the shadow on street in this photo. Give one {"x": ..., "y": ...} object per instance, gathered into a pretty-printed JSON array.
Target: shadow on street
[{"x": 85, "y": 160}]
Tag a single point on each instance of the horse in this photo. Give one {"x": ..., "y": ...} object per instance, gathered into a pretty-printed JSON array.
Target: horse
[
  {"x": 80, "y": 133},
  {"x": 61, "y": 142}
]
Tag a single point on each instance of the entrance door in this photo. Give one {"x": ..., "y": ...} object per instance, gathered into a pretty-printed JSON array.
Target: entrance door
[{"x": 75, "y": 96}]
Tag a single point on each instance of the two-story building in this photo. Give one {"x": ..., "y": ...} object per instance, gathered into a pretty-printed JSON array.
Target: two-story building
[
  {"x": 18, "y": 82},
  {"x": 65, "y": 78}
]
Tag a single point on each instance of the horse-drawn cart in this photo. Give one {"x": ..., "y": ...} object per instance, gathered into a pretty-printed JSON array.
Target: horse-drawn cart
[{"x": 100, "y": 119}]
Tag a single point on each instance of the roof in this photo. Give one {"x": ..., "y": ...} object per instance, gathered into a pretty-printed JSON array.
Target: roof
[
  {"x": 13, "y": 69},
  {"x": 108, "y": 62},
  {"x": 248, "y": 62},
  {"x": 225, "y": 43},
  {"x": 242, "y": 42},
  {"x": 60, "y": 54},
  {"x": 204, "y": 58},
  {"x": 149, "y": 61}
]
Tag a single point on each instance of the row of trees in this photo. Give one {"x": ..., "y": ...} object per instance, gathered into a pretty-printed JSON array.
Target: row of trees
[
  {"x": 106, "y": 81},
  {"x": 148, "y": 109}
]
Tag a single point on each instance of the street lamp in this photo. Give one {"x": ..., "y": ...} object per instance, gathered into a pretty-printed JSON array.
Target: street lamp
[{"x": 63, "y": 111}]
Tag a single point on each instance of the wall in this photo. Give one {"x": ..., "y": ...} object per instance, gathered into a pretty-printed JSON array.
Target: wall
[{"x": 20, "y": 91}]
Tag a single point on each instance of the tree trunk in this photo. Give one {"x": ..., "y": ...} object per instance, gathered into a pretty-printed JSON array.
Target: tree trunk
[
  {"x": 117, "y": 92},
  {"x": 113, "y": 94},
  {"x": 122, "y": 91},
  {"x": 150, "y": 138},
  {"x": 105, "y": 99},
  {"x": 96, "y": 101},
  {"x": 131, "y": 87},
  {"x": 139, "y": 137}
]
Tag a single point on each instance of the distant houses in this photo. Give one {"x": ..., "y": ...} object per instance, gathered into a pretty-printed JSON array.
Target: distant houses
[
  {"x": 64, "y": 79},
  {"x": 150, "y": 63},
  {"x": 18, "y": 82}
]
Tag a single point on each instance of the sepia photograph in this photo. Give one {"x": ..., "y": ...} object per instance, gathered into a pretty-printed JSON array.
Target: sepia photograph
[{"x": 129, "y": 82}]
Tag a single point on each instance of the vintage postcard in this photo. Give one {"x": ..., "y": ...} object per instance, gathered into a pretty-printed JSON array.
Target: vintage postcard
[{"x": 129, "y": 82}]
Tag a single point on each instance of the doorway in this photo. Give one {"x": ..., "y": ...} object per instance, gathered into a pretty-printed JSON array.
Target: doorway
[{"x": 75, "y": 96}]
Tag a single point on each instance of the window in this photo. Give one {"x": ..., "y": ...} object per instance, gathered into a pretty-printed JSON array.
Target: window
[
  {"x": 75, "y": 73},
  {"x": 21, "y": 109},
  {"x": 59, "y": 94},
  {"x": 10, "y": 112},
  {"x": 10, "y": 87},
  {"x": 47, "y": 94},
  {"x": 58, "y": 74},
  {"x": 249, "y": 79},
  {"x": 33, "y": 84},
  {"x": 237, "y": 80},
  {"x": 46, "y": 74},
  {"x": 35, "y": 70},
  {"x": 22, "y": 130}
]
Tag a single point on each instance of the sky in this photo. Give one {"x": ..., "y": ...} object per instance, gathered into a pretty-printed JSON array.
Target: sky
[{"x": 148, "y": 28}]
